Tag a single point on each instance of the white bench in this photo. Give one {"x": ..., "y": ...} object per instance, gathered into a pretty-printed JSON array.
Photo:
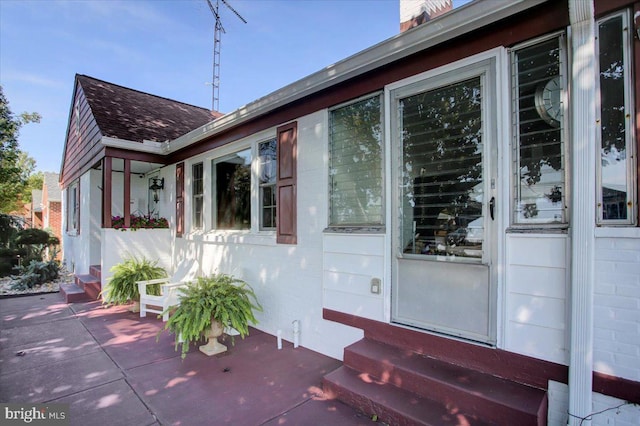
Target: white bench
[{"x": 186, "y": 272}]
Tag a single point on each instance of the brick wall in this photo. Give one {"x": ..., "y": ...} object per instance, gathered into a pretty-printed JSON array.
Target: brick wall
[{"x": 617, "y": 304}]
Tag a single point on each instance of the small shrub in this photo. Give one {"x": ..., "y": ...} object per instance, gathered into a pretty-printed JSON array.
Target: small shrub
[
  {"x": 32, "y": 236},
  {"x": 36, "y": 273},
  {"x": 122, "y": 287}
]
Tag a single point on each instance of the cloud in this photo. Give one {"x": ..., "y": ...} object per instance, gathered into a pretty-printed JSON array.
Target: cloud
[{"x": 31, "y": 79}]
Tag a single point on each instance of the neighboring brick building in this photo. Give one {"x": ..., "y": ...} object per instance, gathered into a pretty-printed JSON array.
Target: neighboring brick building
[
  {"x": 34, "y": 210},
  {"x": 46, "y": 206}
]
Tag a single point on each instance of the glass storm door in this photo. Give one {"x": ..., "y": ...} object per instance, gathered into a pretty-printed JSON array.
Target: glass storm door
[{"x": 444, "y": 199}]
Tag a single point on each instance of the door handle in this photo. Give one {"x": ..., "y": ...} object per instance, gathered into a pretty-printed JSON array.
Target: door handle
[{"x": 492, "y": 207}]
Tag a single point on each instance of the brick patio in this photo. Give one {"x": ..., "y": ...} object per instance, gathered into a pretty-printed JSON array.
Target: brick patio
[{"x": 107, "y": 364}]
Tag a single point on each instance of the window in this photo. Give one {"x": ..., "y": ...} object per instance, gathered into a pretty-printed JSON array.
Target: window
[
  {"x": 73, "y": 208},
  {"x": 538, "y": 79},
  {"x": 615, "y": 122},
  {"x": 442, "y": 179},
  {"x": 232, "y": 184},
  {"x": 267, "y": 164},
  {"x": 197, "y": 194},
  {"x": 355, "y": 164}
]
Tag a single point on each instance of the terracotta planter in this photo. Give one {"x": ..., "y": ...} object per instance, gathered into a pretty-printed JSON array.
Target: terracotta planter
[
  {"x": 135, "y": 308},
  {"x": 214, "y": 347}
]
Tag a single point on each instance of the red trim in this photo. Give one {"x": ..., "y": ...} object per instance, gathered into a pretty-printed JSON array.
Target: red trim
[
  {"x": 127, "y": 193},
  {"x": 106, "y": 192},
  {"x": 617, "y": 387},
  {"x": 509, "y": 365}
]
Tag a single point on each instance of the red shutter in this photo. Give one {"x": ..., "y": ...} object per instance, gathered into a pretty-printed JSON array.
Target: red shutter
[
  {"x": 179, "y": 199},
  {"x": 286, "y": 184}
]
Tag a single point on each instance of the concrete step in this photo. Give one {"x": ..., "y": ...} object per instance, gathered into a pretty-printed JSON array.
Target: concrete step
[
  {"x": 96, "y": 271},
  {"x": 390, "y": 404},
  {"x": 487, "y": 397},
  {"x": 90, "y": 285},
  {"x": 72, "y": 293}
]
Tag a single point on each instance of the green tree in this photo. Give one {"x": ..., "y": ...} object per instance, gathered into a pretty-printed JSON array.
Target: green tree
[{"x": 15, "y": 166}]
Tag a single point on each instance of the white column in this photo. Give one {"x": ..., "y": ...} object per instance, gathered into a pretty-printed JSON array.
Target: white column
[{"x": 583, "y": 149}]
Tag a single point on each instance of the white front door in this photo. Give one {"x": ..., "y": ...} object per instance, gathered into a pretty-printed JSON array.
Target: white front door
[{"x": 444, "y": 159}]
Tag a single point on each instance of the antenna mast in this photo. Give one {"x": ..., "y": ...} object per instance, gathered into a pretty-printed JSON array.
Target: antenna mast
[{"x": 217, "y": 40}]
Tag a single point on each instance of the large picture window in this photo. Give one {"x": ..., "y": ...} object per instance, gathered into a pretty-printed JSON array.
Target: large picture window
[
  {"x": 232, "y": 184},
  {"x": 355, "y": 164},
  {"x": 538, "y": 76},
  {"x": 197, "y": 194},
  {"x": 267, "y": 166},
  {"x": 616, "y": 187}
]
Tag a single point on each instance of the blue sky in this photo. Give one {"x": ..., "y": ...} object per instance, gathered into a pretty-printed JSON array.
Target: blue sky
[{"x": 164, "y": 47}]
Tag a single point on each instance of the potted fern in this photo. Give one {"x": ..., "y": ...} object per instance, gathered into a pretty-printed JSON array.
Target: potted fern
[
  {"x": 121, "y": 288},
  {"x": 208, "y": 307}
]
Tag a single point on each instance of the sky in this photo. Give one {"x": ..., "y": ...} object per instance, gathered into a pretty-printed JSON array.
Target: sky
[{"x": 165, "y": 47}]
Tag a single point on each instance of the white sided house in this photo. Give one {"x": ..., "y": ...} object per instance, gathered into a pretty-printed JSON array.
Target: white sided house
[{"x": 452, "y": 212}]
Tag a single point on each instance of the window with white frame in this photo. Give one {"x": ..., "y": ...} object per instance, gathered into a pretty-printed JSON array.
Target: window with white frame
[
  {"x": 267, "y": 168},
  {"x": 197, "y": 193},
  {"x": 617, "y": 176},
  {"x": 355, "y": 164},
  {"x": 232, "y": 188},
  {"x": 73, "y": 208},
  {"x": 539, "y": 129}
]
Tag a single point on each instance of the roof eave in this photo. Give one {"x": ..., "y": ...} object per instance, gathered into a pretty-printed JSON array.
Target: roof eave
[{"x": 456, "y": 23}]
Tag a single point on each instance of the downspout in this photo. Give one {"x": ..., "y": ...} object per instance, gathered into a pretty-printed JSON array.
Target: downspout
[{"x": 583, "y": 149}]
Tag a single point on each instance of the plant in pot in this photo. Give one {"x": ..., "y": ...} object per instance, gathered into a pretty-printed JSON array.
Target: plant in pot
[
  {"x": 210, "y": 305},
  {"x": 121, "y": 288}
]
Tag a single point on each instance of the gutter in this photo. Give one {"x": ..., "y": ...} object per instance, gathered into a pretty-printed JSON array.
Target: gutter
[
  {"x": 466, "y": 19},
  {"x": 151, "y": 147}
]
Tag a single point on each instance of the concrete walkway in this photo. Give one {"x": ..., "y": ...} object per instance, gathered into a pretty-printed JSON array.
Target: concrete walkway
[{"x": 107, "y": 364}]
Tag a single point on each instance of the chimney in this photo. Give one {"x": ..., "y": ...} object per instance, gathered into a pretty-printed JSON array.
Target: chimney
[{"x": 416, "y": 12}]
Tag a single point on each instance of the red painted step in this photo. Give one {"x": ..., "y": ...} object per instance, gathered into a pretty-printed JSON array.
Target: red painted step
[
  {"x": 488, "y": 397},
  {"x": 390, "y": 404},
  {"x": 72, "y": 293}
]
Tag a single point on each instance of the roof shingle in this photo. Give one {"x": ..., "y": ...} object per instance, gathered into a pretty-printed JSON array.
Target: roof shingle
[{"x": 132, "y": 115}]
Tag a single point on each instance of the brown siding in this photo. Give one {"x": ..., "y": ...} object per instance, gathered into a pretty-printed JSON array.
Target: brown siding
[
  {"x": 81, "y": 150},
  {"x": 286, "y": 183}
]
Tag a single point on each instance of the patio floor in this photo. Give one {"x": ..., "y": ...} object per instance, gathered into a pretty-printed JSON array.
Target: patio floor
[{"x": 107, "y": 364}]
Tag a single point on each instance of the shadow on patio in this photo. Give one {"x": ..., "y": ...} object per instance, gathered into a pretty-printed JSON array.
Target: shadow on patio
[{"x": 107, "y": 364}]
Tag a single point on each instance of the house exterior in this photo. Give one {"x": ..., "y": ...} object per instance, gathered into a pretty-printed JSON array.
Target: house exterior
[
  {"x": 466, "y": 190},
  {"x": 34, "y": 210},
  {"x": 45, "y": 209}
]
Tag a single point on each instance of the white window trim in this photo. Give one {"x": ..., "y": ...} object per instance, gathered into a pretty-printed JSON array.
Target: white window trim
[
  {"x": 256, "y": 211},
  {"x": 629, "y": 105},
  {"x": 191, "y": 197}
]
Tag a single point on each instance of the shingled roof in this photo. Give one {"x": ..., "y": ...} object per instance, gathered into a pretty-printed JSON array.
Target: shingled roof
[{"x": 132, "y": 115}]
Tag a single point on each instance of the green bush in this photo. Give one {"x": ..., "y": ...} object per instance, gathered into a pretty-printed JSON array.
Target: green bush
[
  {"x": 32, "y": 236},
  {"x": 122, "y": 287},
  {"x": 36, "y": 273}
]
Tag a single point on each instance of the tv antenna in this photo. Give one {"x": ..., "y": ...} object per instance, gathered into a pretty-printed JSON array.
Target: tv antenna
[{"x": 217, "y": 39}]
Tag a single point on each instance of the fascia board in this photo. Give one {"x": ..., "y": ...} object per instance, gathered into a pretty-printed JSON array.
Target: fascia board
[
  {"x": 461, "y": 21},
  {"x": 146, "y": 146}
]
